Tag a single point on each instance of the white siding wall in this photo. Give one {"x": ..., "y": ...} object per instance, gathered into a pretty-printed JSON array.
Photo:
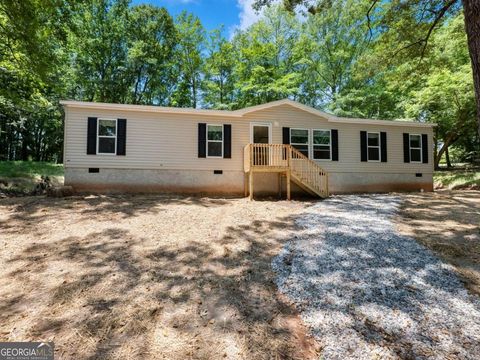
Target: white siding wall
[{"x": 169, "y": 141}]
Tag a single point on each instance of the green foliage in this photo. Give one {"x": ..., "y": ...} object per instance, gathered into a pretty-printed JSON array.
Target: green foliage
[
  {"x": 191, "y": 36},
  {"x": 266, "y": 65},
  {"x": 457, "y": 179},
  {"x": 151, "y": 39},
  {"x": 219, "y": 83},
  {"x": 32, "y": 35},
  {"x": 29, "y": 169},
  {"x": 445, "y": 93},
  {"x": 331, "y": 44},
  {"x": 99, "y": 54}
]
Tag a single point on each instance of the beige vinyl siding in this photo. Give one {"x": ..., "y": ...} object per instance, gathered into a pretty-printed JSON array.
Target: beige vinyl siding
[
  {"x": 154, "y": 141},
  {"x": 170, "y": 141},
  {"x": 349, "y": 140}
]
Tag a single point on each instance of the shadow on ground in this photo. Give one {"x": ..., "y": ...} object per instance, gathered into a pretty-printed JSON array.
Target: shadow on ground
[
  {"x": 447, "y": 222},
  {"x": 126, "y": 290},
  {"x": 382, "y": 294}
]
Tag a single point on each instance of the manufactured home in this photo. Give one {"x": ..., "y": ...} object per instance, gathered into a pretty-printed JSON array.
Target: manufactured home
[{"x": 275, "y": 148}]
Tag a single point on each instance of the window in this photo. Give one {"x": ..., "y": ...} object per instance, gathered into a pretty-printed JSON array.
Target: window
[
  {"x": 299, "y": 140},
  {"x": 215, "y": 140},
  {"x": 415, "y": 148},
  {"x": 373, "y": 146},
  {"x": 322, "y": 144},
  {"x": 107, "y": 136}
]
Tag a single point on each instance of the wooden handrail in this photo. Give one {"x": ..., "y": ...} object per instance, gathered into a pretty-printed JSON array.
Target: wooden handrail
[
  {"x": 280, "y": 157},
  {"x": 308, "y": 172}
]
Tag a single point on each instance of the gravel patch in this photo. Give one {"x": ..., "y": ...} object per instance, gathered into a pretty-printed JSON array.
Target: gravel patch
[{"x": 367, "y": 292}]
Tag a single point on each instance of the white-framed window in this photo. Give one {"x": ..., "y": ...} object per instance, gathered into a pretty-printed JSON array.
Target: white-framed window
[
  {"x": 322, "y": 144},
  {"x": 373, "y": 146},
  {"x": 299, "y": 139},
  {"x": 214, "y": 140},
  {"x": 415, "y": 142},
  {"x": 107, "y": 136}
]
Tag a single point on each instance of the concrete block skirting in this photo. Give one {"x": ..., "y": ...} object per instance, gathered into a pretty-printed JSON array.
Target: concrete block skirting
[
  {"x": 379, "y": 182},
  {"x": 230, "y": 182}
]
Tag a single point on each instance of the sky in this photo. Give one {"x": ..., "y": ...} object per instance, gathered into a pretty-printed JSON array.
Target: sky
[{"x": 232, "y": 14}]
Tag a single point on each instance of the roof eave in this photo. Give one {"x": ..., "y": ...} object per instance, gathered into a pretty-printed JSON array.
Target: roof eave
[
  {"x": 240, "y": 112},
  {"x": 380, "y": 122},
  {"x": 147, "y": 108}
]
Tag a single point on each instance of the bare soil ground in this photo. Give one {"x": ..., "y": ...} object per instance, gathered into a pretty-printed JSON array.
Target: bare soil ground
[
  {"x": 148, "y": 277},
  {"x": 448, "y": 223}
]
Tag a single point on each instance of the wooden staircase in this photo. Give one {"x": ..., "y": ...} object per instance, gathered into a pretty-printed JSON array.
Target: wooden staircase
[{"x": 288, "y": 162}]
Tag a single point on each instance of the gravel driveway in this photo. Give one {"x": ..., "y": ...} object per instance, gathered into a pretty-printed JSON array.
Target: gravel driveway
[{"x": 367, "y": 292}]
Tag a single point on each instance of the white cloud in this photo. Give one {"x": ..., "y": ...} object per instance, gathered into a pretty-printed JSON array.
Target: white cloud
[{"x": 247, "y": 15}]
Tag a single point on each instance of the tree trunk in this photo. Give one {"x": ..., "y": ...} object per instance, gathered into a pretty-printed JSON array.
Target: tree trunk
[
  {"x": 447, "y": 158},
  {"x": 436, "y": 160},
  {"x": 449, "y": 140},
  {"x": 471, "y": 10},
  {"x": 194, "y": 93}
]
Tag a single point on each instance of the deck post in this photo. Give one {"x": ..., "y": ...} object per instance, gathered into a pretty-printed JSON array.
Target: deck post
[
  {"x": 245, "y": 184},
  {"x": 250, "y": 185},
  {"x": 327, "y": 193},
  {"x": 279, "y": 185},
  {"x": 288, "y": 184}
]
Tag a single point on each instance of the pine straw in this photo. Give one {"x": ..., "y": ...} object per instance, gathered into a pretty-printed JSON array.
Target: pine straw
[
  {"x": 447, "y": 222},
  {"x": 146, "y": 277}
]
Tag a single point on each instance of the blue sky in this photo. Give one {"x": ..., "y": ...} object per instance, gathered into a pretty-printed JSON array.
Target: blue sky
[{"x": 212, "y": 13}]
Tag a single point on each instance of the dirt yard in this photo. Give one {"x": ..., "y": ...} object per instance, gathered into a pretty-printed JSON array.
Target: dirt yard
[
  {"x": 179, "y": 277},
  {"x": 148, "y": 277},
  {"x": 447, "y": 222}
]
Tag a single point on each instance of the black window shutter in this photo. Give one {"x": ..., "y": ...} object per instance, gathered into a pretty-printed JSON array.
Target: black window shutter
[
  {"x": 92, "y": 136},
  {"x": 334, "y": 145},
  {"x": 363, "y": 145},
  {"x": 202, "y": 140},
  {"x": 286, "y": 135},
  {"x": 121, "y": 136},
  {"x": 383, "y": 146},
  {"x": 424, "y": 148},
  {"x": 227, "y": 141},
  {"x": 406, "y": 148}
]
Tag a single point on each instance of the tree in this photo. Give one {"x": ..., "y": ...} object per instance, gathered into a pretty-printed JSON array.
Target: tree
[
  {"x": 151, "y": 39},
  {"x": 266, "y": 66},
  {"x": 329, "y": 48},
  {"x": 33, "y": 34},
  {"x": 191, "y": 44},
  {"x": 471, "y": 9},
  {"x": 427, "y": 12},
  {"x": 98, "y": 52},
  {"x": 219, "y": 83},
  {"x": 446, "y": 95}
]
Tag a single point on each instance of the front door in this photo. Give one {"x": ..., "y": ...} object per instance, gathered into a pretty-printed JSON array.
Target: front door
[{"x": 260, "y": 133}]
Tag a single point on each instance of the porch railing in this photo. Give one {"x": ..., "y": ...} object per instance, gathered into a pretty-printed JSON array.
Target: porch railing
[{"x": 279, "y": 158}]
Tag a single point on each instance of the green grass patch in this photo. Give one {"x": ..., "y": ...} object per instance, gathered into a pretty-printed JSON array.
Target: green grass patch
[
  {"x": 457, "y": 179},
  {"x": 19, "y": 178},
  {"x": 29, "y": 169}
]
